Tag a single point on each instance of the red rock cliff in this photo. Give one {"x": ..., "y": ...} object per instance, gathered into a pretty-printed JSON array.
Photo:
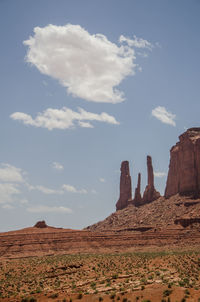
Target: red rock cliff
[
  {"x": 184, "y": 167},
  {"x": 125, "y": 187}
]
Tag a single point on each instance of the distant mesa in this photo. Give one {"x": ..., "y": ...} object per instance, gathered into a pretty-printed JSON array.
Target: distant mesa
[
  {"x": 41, "y": 225},
  {"x": 125, "y": 198}
]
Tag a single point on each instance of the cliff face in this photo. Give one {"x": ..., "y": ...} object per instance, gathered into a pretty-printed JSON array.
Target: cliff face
[{"x": 184, "y": 167}]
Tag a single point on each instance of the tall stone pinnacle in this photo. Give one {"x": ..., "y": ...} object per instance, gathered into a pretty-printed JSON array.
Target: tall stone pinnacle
[
  {"x": 150, "y": 193},
  {"x": 125, "y": 187},
  {"x": 137, "y": 198},
  {"x": 150, "y": 171}
]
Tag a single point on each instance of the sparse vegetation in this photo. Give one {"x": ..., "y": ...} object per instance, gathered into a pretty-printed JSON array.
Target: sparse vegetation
[{"x": 117, "y": 276}]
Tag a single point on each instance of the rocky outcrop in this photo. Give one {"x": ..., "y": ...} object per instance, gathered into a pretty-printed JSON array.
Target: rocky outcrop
[
  {"x": 41, "y": 224},
  {"x": 150, "y": 192},
  {"x": 184, "y": 167},
  {"x": 125, "y": 187},
  {"x": 187, "y": 221}
]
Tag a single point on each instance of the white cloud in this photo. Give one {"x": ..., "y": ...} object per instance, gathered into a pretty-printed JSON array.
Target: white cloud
[
  {"x": 46, "y": 190},
  {"x": 85, "y": 125},
  {"x": 136, "y": 42},
  {"x": 10, "y": 173},
  {"x": 24, "y": 201},
  {"x": 62, "y": 118},
  {"x": 89, "y": 66},
  {"x": 72, "y": 189},
  {"x": 57, "y": 166},
  {"x": 8, "y": 191},
  {"x": 159, "y": 174},
  {"x": 48, "y": 209},
  {"x": 7, "y": 207},
  {"x": 164, "y": 116},
  {"x": 102, "y": 179},
  {"x": 83, "y": 191}
]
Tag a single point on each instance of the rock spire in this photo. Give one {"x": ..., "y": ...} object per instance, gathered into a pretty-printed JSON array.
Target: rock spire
[
  {"x": 125, "y": 187},
  {"x": 138, "y": 198},
  {"x": 150, "y": 192}
]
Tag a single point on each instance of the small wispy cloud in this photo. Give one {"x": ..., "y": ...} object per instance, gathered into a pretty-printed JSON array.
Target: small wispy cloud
[
  {"x": 7, "y": 207},
  {"x": 46, "y": 190},
  {"x": 136, "y": 42},
  {"x": 159, "y": 174},
  {"x": 72, "y": 189},
  {"x": 57, "y": 166},
  {"x": 164, "y": 116},
  {"x": 64, "y": 118},
  {"x": 101, "y": 179},
  {"x": 48, "y": 209}
]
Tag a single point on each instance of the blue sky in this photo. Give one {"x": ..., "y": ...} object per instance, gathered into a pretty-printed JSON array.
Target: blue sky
[{"x": 131, "y": 66}]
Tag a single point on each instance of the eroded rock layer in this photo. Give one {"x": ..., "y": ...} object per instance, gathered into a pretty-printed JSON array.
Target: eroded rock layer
[{"x": 184, "y": 167}]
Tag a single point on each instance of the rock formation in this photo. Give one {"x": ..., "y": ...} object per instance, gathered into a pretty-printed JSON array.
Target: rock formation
[
  {"x": 125, "y": 198},
  {"x": 138, "y": 198},
  {"x": 150, "y": 192},
  {"x": 125, "y": 187},
  {"x": 41, "y": 224},
  {"x": 184, "y": 167}
]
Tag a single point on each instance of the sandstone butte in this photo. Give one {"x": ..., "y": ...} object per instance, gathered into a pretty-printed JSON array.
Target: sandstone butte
[{"x": 144, "y": 222}]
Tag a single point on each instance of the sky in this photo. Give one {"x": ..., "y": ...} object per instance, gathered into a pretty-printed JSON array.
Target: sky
[{"x": 84, "y": 86}]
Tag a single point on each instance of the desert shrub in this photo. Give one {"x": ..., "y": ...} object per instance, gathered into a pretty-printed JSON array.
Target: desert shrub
[
  {"x": 167, "y": 292},
  {"x": 100, "y": 299},
  {"x": 54, "y": 296},
  {"x": 80, "y": 296},
  {"x": 32, "y": 299},
  {"x": 24, "y": 300}
]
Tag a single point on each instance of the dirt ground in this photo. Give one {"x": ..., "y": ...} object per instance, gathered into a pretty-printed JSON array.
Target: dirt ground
[{"x": 156, "y": 277}]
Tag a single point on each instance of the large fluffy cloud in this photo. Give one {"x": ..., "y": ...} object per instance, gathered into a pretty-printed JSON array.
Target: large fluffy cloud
[
  {"x": 164, "y": 116},
  {"x": 63, "y": 118},
  {"x": 89, "y": 66}
]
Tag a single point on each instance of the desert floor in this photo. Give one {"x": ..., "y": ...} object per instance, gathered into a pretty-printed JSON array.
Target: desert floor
[{"x": 151, "y": 276}]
